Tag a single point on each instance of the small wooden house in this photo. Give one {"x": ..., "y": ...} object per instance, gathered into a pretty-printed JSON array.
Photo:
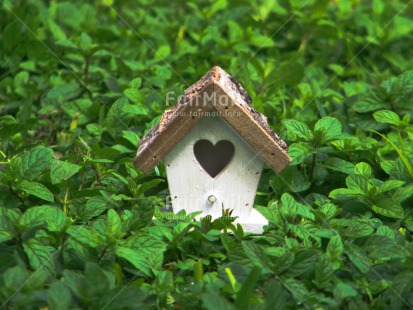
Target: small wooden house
[{"x": 214, "y": 144}]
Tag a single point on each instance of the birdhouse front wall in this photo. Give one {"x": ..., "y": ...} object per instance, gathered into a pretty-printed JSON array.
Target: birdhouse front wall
[{"x": 192, "y": 168}]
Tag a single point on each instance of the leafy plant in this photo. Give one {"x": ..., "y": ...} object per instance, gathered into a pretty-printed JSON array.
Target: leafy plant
[{"x": 82, "y": 228}]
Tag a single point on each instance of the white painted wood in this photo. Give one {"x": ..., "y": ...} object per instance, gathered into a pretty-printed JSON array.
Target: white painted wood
[{"x": 235, "y": 187}]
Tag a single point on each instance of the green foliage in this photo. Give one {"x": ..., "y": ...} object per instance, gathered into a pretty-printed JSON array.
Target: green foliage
[{"x": 81, "y": 82}]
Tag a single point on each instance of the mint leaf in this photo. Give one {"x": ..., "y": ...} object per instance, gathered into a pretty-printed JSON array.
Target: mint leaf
[
  {"x": 86, "y": 236},
  {"x": 357, "y": 257},
  {"x": 59, "y": 297},
  {"x": 52, "y": 217},
  {"x": 299, "y": 152},
  {"x": 35, "y": 161},
  {"x": 38, "y": 255},
  {"x": 342, "y": 291},
  {"x": 162, "y": 52},
  {"x": 299, "y": 129},
  {"x": 114, "y": 225},
  {"x": 388, "y": 117},
  {"x": 35, "y": 189},
  {"x": 388, "y": 208},
  {"x": 335, "y": 247},
  {"x": 62, "y": 171},
  {"x": 327, "y": 129}
]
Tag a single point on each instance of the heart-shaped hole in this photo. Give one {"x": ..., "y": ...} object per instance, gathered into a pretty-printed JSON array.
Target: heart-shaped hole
[{"x": 213, "y": 158}]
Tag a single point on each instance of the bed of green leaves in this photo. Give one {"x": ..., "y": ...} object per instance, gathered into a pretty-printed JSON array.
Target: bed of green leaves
[{"x": 82, "y": 81}]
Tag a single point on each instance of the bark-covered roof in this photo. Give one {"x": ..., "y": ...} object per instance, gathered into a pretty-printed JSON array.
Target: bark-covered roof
[{"x": 222, "y": 93}]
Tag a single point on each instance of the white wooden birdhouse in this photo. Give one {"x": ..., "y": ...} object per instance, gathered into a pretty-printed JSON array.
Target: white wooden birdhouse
[{"x": 214, "y": 144}]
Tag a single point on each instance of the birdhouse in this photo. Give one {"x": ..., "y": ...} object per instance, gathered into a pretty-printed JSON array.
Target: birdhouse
[{"x": 214, "y": 145}]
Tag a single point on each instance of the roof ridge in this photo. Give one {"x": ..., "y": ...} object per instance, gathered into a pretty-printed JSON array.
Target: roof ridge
[{"x": 215, "y": 85}]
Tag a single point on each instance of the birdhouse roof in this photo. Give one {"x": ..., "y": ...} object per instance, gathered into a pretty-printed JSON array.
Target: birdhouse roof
[{"x": 220, "y": 94}]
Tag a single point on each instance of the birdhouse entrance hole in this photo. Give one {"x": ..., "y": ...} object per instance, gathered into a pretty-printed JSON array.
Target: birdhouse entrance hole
[{"x": 214, "y": 158}]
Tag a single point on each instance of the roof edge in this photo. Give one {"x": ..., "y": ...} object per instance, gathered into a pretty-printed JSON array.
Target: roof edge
[{"x": 179, "y": 120}]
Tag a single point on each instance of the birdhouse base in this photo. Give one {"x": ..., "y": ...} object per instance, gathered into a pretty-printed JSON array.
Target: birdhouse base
[{"x": 254, "y": 223}]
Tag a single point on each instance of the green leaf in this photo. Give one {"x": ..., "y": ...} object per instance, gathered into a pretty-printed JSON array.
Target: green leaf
[
  {"x": 97, "y": 279},
  {"x": 15, "y": 277},
  {"x": 388, "y": 208},
  {"x": 368, "y": 104},
  {"x": 261, "y": 41},
  {"x": 15, "y": 169},
  {"x": 164, "y": 281},
  {"x": 64, "y": 92},
  {"x": 126, "y": 297},
  {"x": 20, "y": 82},
  {"x": 335, "y": 247},
  {"x": 137, "y": 259},
  {"x": 343, "y": 290},
  {"x": 118, "y": 118},
  {"x": 386, "y": 231},
  {"x": 66, "y": 43},
  {"x": 364, "y": 170},
  {"x": 400, "y": 151},
  {"x": 299, "y": 152},
  {"x": 162, "y": 52},
  {"x": 299, "y": 129},
  {"x": 135, "y": 96},
  {"x": 7, "y": 229},
  {"x": 86, "y": 236},
  {"x": 328, "y": 209},
  {"x": 358, "y": 230},
  {"x": 59, "y": 297},
  {"x": 85, "y": 42},
  {"x": 388, "y": 117},
  {"x": 144, "y": 252},
  {"x": 345, "y": 194},
  {"x": 294, "y": 208},
  {"x": 62, "y": 171},
  {"x": 215, "y": 302},
  {"x": 198, "y": 272},
  {"x": 39, "y": 255},
  {"x": 95, "y": 206},
  {"x": 281, "y": 264},
  {"x": 35, "y": 161},
  {"x": 247, "y": 289},
  {"x": 35, "y": 189},
  {"x": 217, "y": 6},
  {"x": 304, "y": 260},
  {"x": 327, "y": 129},
  {"x": 57, "y": 31},
  {"x": 358, "y": 183},
  {"x": 323, "y": 271},
  {"x": 357, "y": 257},
  {"x": 76, "y": 282},
  {"x": 132, "y": 137},
  {"x": 338, "y": 164},
  {"x": 275, "y": 297},
  {"x": 53, "y": 217},
  {"x": 290, "y": 73},
  {"x": 136, "y": 110},
  {"x": 255, "y": 253},
  {"x": 297, "y": 288},
  {"x": 391, "y": 185},
  {"x": 403, "y": 193},
  {"x": 114, "y": 225}
]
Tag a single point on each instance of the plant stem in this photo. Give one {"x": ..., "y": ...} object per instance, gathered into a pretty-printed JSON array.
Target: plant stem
[
  {"x": 53, "y": 137},
  {"x": 86, "y": 70},
  {"x": 66, "y": 200},
  {"x": 102, "y": 254},
  {"x": 313, "y": 167}
]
